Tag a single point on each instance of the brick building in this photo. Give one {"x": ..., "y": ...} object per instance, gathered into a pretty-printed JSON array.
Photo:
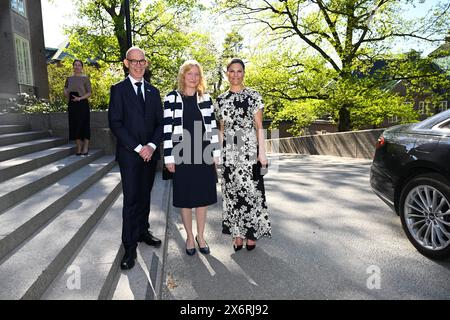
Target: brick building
[{"x": 22, "y": 51}]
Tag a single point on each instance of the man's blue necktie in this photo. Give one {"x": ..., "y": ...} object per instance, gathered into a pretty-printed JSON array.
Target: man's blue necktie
[{"x": 140, "y": 96}]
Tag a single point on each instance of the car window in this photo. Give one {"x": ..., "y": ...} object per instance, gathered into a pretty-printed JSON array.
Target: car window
[
  {"x": 433, "y": 121},
  {"x": 445, "y": 126}
]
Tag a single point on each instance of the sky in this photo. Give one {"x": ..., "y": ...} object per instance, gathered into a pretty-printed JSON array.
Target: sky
[
  {"x": 54, "y": 17},
  {"x": 57, "y": 13}
]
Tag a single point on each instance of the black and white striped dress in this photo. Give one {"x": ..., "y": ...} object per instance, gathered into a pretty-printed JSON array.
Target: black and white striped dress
[{"x": 190, "y": 140}]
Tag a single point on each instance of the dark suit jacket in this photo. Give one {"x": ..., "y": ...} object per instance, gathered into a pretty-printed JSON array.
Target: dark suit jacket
[{"x": 129, "y": 124}]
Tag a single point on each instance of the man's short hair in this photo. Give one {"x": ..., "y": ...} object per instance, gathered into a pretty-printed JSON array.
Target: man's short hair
[{"x": 134, "y": 48}]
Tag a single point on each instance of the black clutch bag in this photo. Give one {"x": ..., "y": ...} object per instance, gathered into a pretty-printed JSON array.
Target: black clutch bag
[
  {"x": 259, "y": 170},
  {"x": 166, "y": 174},
  {"x": 73, "y": 94}
]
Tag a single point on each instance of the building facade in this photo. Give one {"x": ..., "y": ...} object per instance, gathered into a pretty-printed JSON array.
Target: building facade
[{"x": 22, "y": 50}]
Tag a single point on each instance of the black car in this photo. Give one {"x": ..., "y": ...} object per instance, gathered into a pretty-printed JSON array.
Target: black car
[{"x": 411, "y": 173}]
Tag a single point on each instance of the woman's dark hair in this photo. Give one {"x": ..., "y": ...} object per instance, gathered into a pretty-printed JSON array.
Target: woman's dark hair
[
  {"x": 76, "y": 61},
  {"x": 236, "y": 60}
]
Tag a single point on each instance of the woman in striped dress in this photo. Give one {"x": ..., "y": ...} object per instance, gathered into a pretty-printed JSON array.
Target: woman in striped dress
[{"x": 190, "y": 142}]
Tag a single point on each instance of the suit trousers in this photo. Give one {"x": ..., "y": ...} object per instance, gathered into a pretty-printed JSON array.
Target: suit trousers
[{"x": 137, "y": 182}]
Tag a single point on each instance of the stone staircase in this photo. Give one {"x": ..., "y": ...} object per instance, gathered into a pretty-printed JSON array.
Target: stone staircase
[{"x": 61, "y": 220}]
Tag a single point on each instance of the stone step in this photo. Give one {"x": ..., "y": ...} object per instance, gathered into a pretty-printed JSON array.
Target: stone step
[
  {"x": 18, "y": 137},
  {"x": 19, "y": 165},
  {"x": 29, "y": 271},
  {"x": 98, "y": 262},
  {"x": 144, "y": 281},
  {"x": 22, "y": 221},
  {"x": 17, "y": 189},
  {"x": 20, "y": 149},
  {"x": 99, "y": 259},
  {"x": 13, "y": 128}
]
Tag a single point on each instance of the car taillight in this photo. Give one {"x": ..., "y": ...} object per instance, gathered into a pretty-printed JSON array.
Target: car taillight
[{"x": 380, "y": 142}]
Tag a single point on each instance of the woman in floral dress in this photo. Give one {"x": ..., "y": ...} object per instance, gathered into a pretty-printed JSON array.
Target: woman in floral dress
[{"x": 240, "y": 112}]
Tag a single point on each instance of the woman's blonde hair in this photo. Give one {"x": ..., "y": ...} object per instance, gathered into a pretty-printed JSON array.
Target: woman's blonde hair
[{"x": 185, "y": 68}]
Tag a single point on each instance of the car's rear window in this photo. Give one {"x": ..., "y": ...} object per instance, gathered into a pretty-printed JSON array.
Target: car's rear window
[
  {"x": 445, "y": 126},
  {"x": 432, "y": 121}
]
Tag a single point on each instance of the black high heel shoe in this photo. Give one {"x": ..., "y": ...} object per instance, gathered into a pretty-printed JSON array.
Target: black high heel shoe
[
  {"x": 250, "y": 247},
  {"x": 204, "y": 250},
  {"x": 190, "y": 252},
  {"x": 237, "y": 247}
]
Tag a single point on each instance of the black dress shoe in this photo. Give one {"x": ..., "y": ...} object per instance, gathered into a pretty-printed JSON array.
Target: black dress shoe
[
  {"x": 128, "y": 259},
  {"x": 204, "y": 250},
  {"x": 149, "y": 239}
]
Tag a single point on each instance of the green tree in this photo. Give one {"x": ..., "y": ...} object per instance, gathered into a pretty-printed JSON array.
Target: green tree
[
  {"x": 101, "y": 33},
  {"x": 232, "y": 48},
  {"x": 101, "y": 79},
  {"x": 289, "y": 88},
  {"x": 163, "y": 29},
  {"x": 423, "y": 77},
  {"x": 348, "y": 35}
]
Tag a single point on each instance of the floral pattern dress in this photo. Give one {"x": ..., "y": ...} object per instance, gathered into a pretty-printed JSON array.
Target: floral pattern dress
[{"x": 245, "y": 212}]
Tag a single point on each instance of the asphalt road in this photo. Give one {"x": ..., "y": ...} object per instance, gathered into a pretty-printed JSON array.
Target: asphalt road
[{"x": 332, "y": 238}]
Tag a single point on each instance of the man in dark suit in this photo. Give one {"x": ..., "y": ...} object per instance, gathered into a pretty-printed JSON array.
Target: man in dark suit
[{"x": 135, "y": 117}]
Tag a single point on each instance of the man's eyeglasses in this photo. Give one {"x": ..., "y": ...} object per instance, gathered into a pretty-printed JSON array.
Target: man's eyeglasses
[{"x": 136, "y": 62}]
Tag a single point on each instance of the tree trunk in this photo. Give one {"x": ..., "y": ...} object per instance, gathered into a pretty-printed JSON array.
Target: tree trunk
[
  {"x": 119, "y": 31},
  {"x": 123, "y": 45},
  {"x": 219, "y": 82},
  {"x": 344, "y": 119},
  {"x": 119, "y": 27}
]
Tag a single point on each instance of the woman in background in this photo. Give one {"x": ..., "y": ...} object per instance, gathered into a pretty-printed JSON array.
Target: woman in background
[{"x": 77, "y": 90}]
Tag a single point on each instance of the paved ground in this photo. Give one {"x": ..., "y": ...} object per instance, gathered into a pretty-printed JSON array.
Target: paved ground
[{"x": 332, "y": 239}]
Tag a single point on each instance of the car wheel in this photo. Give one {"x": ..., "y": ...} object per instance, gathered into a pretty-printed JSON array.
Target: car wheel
[{"x": 425, "y": 214}]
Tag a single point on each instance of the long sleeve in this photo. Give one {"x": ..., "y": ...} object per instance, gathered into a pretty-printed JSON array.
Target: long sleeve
[
  {"x": 168, "y": 128},
  {"x": 158, "y": 133},
  {"x": 214, "y": 133},
  {"x": 87, "y": 85},
  {"x": 115, "y": 117}
]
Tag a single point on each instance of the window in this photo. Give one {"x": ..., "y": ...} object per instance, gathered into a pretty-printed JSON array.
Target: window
[
  {"x": 19, "y": 6},
  {"x": 421, "y": 107},
  {"x": 445, "y": 126},
  {"x": 424, "y": 107},
  {"x": 24, "y": 73},
  {"x": 393, "y": 119},
  {"x": 443, "y": 106}
]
